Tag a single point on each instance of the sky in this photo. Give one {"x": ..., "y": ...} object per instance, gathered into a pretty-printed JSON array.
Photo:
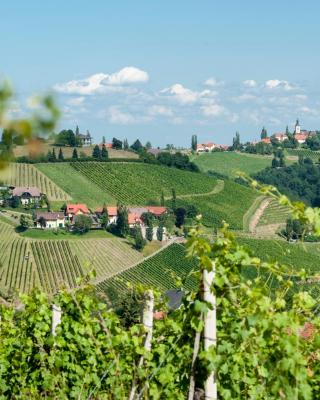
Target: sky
[{"x": 164, "y": 70}]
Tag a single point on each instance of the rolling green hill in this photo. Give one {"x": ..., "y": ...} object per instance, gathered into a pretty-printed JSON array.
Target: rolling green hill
[{"x": 229, "y": 163}]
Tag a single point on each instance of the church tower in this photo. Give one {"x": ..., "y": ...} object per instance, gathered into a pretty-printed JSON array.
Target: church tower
[{"x": 297, "y": 129}]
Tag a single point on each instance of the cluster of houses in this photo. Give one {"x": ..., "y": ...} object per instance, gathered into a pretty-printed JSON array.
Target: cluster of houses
[
  {"x": 26, "y": 195},
  {"x": 210, "y": 146},
  {"x": 301, "y": 135}
]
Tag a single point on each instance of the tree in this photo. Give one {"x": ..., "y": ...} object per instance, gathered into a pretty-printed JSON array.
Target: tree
[
  {"x": 104, "y": 152},
  {"x": 75, "y": 154},
  {"x": 149, "y": 230},
  {"x": 194, "y": 142},
  {"x": 24, "y": 222},
  {"x": 116, "y": 144},
  {"x": 15, "y": 202},
  {"x": 96, "y": 153},
  {"x": 125, "y": 144},
  {"x": 67, "y": 138},
  {"x": 174, "y": 199},
  {"x": 82, "y": 223},
  {"x": 264, "y": 133},
  {"x": 162, "y": 200},
  {"x": 60, "y": 157},
  {"x": 236, "y": 142},
  {"x": 180, "y": 214},
  {"x": 137, "y": 146},
  {"x": 287, "y": 130},
  {"x": 148, "y": 145},
  {"x": 7, "y": 138},
  {"x": 139, "y": 241},
  {"x": 122, "y": 224},
  {"x": 104, "y": 217},
  {"x": 77, "y": 132},
  {"x": 275, "y": 162},
  {"x": 103, "y": 140},
  {"x": 42, "y": 222},
  {"x": 160, "y": 231}
]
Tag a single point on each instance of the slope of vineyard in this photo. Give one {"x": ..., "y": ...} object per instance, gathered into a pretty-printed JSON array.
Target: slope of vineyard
[
  {"x": 138, "y": 184},
  {"x": 228, "y": 205},
  {"x": 106, "y": 256},
  {"x": 158, "y": 271},
  {"x": 314, "y": 155},
  {"x": 77, "y": 185},
  {"x": 274, "y": 214},
  {"x": 28, "y": 175}
]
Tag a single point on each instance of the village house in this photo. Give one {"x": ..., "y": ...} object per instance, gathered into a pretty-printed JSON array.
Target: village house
[
  {"x": 50, "y": 220},
  {"x": 73, "y": 210},
  {"x": 86, "y": 140},
  {"x": 27, "y": 195},
  {"x": 205, "y": 147}
]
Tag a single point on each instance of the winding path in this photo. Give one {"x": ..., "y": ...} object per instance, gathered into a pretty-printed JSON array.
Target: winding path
[
  {"x": 254, "y": 220},
  {"x": 217, "y": 189}
]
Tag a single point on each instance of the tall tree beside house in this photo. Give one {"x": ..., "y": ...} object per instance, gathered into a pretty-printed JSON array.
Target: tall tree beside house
[
  {"x": 180, "y": 214},
  {"x": 15, "y": 202},
  {"x": 160, "y": 231},
  {"x": 194, "y": 142},
  {"x": 287, "y": 130},
  {"x": 149, "y": 230},
  {"x": 125, "y": 144},
  {"x": 236, "y": 144},
  {"x": 162, "y": 200},
  {"x": 148, "y": 145},
  {"x": 116, "y": 144},
  {"x": 104, "y": 152},
  {"x": 96, "y": 152},
  {"x": 82, "y": 223},
  {"x": 103, "y": 140},
  {"x": 54, "y": 157},
  {"x": 104, "y": 217},
  {"x": 264, "y": 133},
  {"x": 42, "y": 222},
  {"x": 75, "y": 154},
  {"x": 77, "y": 132},
  {"x": 122, "y": 221},
  {"x": 139, "y": 241},
  {"x": 60, "y": 156},
  {"x": 137, "y": 146}
]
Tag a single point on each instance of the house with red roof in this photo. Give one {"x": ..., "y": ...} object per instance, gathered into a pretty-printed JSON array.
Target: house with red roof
[
  {"x": 205, "y": 147},
  {"x": 76, "y": 209}
]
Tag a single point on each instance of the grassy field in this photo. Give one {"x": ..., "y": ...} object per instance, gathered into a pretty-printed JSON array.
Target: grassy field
[
  {"x": 77, "y": 185},
  {"x": 29, "y": 175},
  {"x": 43, "y": 148},
  {"x": 51, "y": 262},
  {"x": 158, "y": 271},
  {"x": 229, "y": 205},
  {"x": 228, "y": 163},
  {"x": 142, "y": 184}
]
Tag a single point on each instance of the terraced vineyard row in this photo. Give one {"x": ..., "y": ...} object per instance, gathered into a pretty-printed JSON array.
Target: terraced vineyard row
[
  {"x": 274, "y": 214},
  {"x": 138, "y": 184},
  {"x": 28, "y": 175},
  {"x": 57, "y": 265},
  {"x": 106, "y": 256},
  {"x": 157, "y": 271}
]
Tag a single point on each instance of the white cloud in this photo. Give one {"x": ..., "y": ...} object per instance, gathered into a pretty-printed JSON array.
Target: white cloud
[
  {"x": 76, "y": 101},
  {"x": 213, "y": 110},
  {"x": 213, "y": 82},
  {"x": 278, "y": 84},
  {"x": 244, "y": 97},
  {"x": 250, "y": 83},
  {"x": 160, "y": 110},
  {"x": 186, "y": 96},
  {"x": 117, "y": 116},
  {"x": 102, "y": 83}
]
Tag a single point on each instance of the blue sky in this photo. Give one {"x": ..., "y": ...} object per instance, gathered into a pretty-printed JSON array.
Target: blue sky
[{"x": 162, "y": 71}]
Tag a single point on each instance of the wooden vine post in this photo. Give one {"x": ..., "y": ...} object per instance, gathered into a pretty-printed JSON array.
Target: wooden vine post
[
  {"x": 56, "y": 318},
  {"x": 210, "y": 329}
]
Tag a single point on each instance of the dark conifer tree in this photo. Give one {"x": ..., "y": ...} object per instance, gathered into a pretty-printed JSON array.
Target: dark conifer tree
[
  {"x": 60, "y": 156},
  {"x": 75, "y": 154},
  {"x": 96, "y": 152}
]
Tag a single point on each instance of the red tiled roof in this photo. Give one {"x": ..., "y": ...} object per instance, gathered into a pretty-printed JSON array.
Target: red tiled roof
[
  {"x": 107, "y": 145},
  {"x": 157, "y": 210},
  {"x": 301, "y": 136},
  {"x": 74, "y": 208},
  {"x": 266, "y": 140},
  {"x": 112, "y": 211},
  {"x": 133, "y": 219}
]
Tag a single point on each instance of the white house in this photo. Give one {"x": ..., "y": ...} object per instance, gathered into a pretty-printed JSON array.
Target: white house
[
  {"x": 50, "y": 220},
  {"x": 27, "y": 195},
  {"x": 205, "y": 147}
]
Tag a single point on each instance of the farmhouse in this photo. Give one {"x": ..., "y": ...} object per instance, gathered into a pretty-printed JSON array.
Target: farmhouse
[
  {"x": 76, "y": 209},
  {"x": 27, "y": 195},
  {"x": 86, "y": 140},
  {"x": 50, "y": 220},
  {"x": 205, "y": 147}
]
